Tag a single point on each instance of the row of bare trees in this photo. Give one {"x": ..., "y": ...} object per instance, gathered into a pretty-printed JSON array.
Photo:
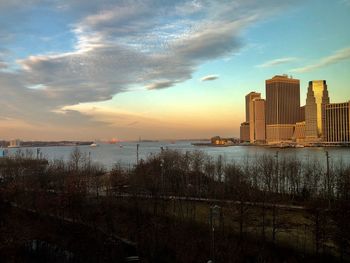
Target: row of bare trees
[
  {"x": 189, "y": 174},
  {"x": 197, "y": 174},
  {"x": 258, "y": 186}
]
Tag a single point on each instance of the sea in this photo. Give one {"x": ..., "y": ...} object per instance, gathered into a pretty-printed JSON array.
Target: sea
[{"x": 125, "y": 153}]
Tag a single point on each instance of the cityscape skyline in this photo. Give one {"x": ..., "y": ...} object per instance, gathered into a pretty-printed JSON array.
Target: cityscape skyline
[
  {"x": 159, "y": 70},
  {"x": 282, "y": 121}
]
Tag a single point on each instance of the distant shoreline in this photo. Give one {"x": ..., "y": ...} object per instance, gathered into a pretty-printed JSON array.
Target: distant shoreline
[{"x": 38, "y": 144}]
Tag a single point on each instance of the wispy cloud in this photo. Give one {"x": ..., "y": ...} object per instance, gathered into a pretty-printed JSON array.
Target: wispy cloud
[
  {"x": 209, "y": 77},
  {"x": 160, "y": 85},
  {"x": 3, "y": 65},
  {"x": 346, "y": 2},
  {"x": 340, "y": 55},
  {"x": 133, "y": 123},
  {"x": 276, "y": 62}
]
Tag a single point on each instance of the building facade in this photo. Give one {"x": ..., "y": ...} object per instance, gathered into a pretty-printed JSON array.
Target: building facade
[
  {"x": 299, "y": 132},
  {"x": 317, "y": 98},
  {"x": 244, "y": 132},
  {"x": 259, "y": 135},
  {"x": 14, "y": 143},
  {"x": 248, "y": 103},
  {"x": 282, "y": 108},
  {"x": 250, "y": 113},
  {"x": 302, "y": 114},
  {"x": 336, "y": 122}
]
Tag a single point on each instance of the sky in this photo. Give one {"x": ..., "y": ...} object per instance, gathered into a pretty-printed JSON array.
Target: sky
[{"x": 159, "y": 69}]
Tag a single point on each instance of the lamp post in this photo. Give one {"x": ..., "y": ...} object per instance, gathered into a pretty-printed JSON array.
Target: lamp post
[
  {"x": 162, "y": 176},
  {"x": 277, "y": 171},
  {"x": 328, "y": 180},
  {"x": 37, "y": 153},
  {"x": 215, "y": 212}
]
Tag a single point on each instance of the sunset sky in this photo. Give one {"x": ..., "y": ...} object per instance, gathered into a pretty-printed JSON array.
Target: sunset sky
[{"x": 158, "y": 69}]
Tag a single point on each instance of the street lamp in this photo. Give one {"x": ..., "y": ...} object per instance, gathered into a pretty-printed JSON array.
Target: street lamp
[
  {"x": 215, "y": 212},
  {"x": 162, "y": 175}
]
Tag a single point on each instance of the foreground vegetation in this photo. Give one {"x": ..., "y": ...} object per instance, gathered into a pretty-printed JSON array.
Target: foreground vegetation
[{"x": 188, "y": 207}]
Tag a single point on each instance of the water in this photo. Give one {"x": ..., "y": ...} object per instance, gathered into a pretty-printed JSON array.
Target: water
[{"x": 125, "y": 153}]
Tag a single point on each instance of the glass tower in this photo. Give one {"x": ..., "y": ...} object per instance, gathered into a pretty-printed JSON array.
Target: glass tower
[{"x": 317, "y": 98}]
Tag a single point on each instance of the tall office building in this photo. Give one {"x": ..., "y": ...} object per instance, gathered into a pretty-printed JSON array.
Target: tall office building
[
  {"x": 248, "y": 104},
  {"x": 250, "y": 114},
  {"x": 317, "y": 98},
  {"x": 336, "y": 122},
  {"x": 259, "y": 120},
  {"x": 282, "y": 108}
]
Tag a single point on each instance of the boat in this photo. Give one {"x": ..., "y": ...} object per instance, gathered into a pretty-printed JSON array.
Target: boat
[
  {"x": 93, "y": 145},
  {"x": 299, "y": 146}
]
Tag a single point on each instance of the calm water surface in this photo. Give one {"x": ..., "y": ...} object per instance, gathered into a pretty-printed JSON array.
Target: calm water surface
[{"x": 125, "y": 153}]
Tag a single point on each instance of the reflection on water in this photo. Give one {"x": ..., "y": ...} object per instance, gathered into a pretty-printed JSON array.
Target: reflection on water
[{"x": 126, "y": 153}]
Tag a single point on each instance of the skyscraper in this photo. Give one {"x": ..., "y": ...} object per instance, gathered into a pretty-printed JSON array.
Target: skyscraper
[
  {"x": 248, "y": 103},
  {"x": 259, "y": 120},
  {"x": 317, "y": 98},
  {"x": 282, "y": 108},
  {"x": 250, "y": 115},
  {"x": 337, "y": 122}
]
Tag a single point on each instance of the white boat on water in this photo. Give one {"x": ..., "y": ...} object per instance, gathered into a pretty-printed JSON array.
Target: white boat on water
[
  {"x": 93, "y": 145},
  {"x": 299, "y": 146}
]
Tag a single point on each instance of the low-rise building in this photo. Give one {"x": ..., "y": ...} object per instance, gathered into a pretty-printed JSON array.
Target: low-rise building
[
  {"x": 245, "y": 132},
  {"x": 299, "y": 132},
  {"x": 15, "y": 143},
  {"x": 279, "y": 133}
]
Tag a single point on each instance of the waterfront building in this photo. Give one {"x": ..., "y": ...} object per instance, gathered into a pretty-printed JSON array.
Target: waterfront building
[
  {"x": 248, "y": 103},
  {"x": 259, "y": 135},
  {"x": 336, "y": 122},
  {"x": 317, "y": 98},
  {"x": 244, "y": 132},
  {"x": 250, "y": 113},
  {"x": 299, "y": 132},
  {"x": 15, "y": 143},
  {"x": 282, "y": 108}
]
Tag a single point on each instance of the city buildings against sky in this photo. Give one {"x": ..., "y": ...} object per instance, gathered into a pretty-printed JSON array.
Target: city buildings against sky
[
  {"x": 158, "y": 69},
  {"x": 279, "y": 119}
]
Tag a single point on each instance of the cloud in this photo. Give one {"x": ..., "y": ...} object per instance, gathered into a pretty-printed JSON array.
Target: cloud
[
  {"x": 133, "y": 123},
  {"x": 116, "y": 46},
  {"x": 277, "y": 62},
  {"x": 3, "y": 65},
  {"x": 209, "y": 77},
  {"x": 160, "y": 85},
  {"x": 338, "y": 56},
  {"x": 129, "y": 44}
]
